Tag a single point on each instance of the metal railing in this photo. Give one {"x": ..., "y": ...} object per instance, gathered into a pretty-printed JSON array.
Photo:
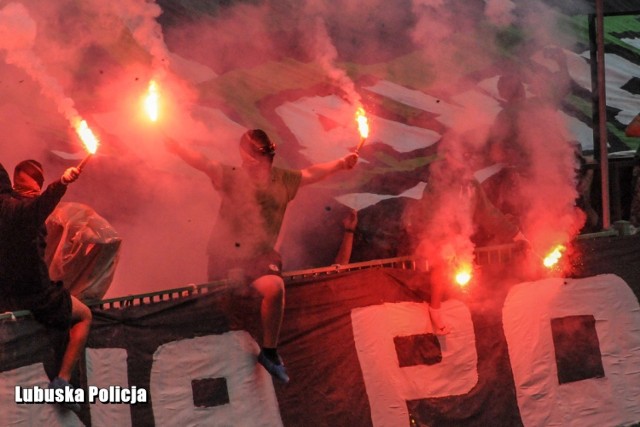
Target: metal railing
[
  {"x": 404, "y": 263},
  {"x": 495, "y": 254},
  {"x": 289, "y": 277}
]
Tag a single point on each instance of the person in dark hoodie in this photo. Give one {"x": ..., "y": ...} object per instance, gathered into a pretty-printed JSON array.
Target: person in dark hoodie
[{"x": 24, "y": 276}]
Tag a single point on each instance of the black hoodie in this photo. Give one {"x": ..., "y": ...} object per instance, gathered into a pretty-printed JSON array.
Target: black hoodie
[{"x": 22, "y": 266}]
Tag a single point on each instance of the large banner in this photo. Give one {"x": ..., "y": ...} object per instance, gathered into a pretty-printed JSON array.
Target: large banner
[{"x": 360, "y": 351}]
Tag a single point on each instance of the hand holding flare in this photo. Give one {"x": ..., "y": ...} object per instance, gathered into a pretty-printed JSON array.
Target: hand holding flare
[
  {"x": 70, "y": 175},
  {"x": 551, "y": 259}
]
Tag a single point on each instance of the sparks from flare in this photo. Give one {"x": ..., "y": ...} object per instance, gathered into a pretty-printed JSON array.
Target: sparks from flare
[
  {"x": 363, "y": 126},
  {"x": 152, "y": 101},
  {"x": 554, "y": 256}
]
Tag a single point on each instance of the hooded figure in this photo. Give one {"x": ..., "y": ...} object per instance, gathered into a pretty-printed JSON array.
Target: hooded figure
[
  {"x": 24, "y": 276},
  {"x": 28, "y": 177}
]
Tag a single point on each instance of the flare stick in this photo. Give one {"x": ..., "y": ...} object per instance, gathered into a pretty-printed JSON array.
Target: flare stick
[{"x": 84, "y": 161}]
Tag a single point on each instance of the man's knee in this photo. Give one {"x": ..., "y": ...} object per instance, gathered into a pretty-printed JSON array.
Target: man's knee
[
  {"x": 270, "y": 286},
  {"x": 79, "y": 311}
]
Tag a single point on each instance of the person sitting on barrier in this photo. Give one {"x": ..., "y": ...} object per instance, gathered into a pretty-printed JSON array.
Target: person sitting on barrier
[
  {"x": 24, "y": 276},
  {"x": 254, "y": 199}
]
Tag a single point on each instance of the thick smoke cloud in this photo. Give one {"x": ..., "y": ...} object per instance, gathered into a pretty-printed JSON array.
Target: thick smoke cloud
[
  {"x": 545, "y": 162},
  {"x": 500, "y": 12},
  {"x": 64, "y": 59}
]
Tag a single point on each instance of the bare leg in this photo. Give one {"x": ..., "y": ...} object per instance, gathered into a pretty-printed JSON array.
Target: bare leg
[
  {"x": 439, "y": 326},
  {"x": 81, "y": 321},
  {"x": 271, "y": 288},
  {"x": 272, "y": 309}
]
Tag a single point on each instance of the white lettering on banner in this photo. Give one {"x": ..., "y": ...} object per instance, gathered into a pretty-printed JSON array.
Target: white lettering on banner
[
  {"x": 388, "y": 385},
  {"x": 232, "y": 356},
  {"x": 117, "y": 395},
  {"x": 32, "y": 379},
  {"x": 611, "y": 400},
  {"x": 107, "y": 367},
  {"x": 39, "y": 394}
]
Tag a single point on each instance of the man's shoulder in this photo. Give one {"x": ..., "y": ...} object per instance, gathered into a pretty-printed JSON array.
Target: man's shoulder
[
  {"x": 287, "y": 180},
  {"x": 285, "y": 172},
  {"x": 9, "y": 200},
  {"x": 288, "y": 177}
]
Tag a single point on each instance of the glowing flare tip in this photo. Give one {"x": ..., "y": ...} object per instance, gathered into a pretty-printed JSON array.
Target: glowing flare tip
[
  {"x": 463, "y": 276},
  {"x": 87, "y": 137},
  {"x": 363, "y": 127},
  {"x": 363, "y": 123},
  {"x": 152, "y": 101},
  {"x": 554, "y": 256}
]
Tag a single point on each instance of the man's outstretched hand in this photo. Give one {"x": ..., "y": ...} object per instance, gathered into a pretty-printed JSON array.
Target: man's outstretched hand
[
  {"x": 70, "y": 175},
  {"x": 350, "y": 160}
]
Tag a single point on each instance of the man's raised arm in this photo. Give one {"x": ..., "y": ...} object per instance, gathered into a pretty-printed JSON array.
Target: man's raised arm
[
  {"x": 320, "y": 171},
  {"x": 196, "y": 160}
]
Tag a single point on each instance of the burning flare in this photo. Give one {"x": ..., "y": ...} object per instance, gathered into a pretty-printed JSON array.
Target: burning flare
[
  {"x": 463, "y": 275},
  {"x": 89, "y": 140},
  {"x": 152, "y": 101},
  {"x": 554, "y": 256},
  {"x": 87, "y": 137},
  {"x": 363, "y": 127},
  {"x": 363, "y": 123}
]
